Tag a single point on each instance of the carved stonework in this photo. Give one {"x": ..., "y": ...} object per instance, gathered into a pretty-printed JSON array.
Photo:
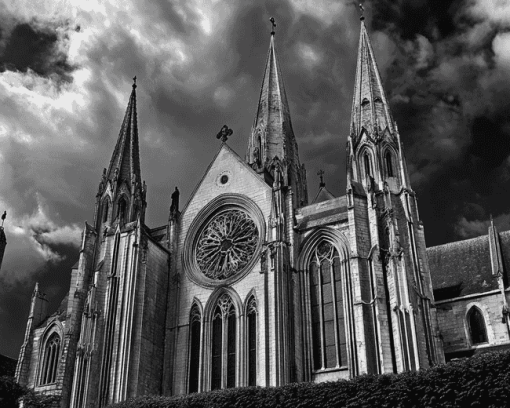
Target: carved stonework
[
  {"x": 252, "y": 306},
  {"x": 226, "y": 244},
  {"x": 226, "y": 307}
]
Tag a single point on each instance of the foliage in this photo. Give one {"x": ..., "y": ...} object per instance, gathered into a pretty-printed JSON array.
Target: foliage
[
  {"x": 481, "y": 381},
  {"x": 11, "y": 392}
]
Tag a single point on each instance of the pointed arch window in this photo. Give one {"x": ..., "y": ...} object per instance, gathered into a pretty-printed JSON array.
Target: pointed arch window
[
  {"x": 367, "y": 164},
  {"x": 389, "y": 164},
  {"x": 223, "y": 364},
  {"x": 50, "y": 360},
  {"x": 477, "y": 328},
  {"x": 122, "y": 209},
  {"x": 252, "y": 341},
  {"x": 106, "y": 207},
  {"x": 194, "y": 351},
  {"x": 329, "y": 348}
]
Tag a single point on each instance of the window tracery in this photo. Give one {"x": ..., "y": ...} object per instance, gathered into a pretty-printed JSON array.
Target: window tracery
[
  {"x": 50, "y": 360},
  {"x": 194, "y": 357},
  {"x": 223, "y": 364},
  {"x": 226, "y": 244},
  {"x": 329, "y": 348},
  {"x": 252, "y": 341}
]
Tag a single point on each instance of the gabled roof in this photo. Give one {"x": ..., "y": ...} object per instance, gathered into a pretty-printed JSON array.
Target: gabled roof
[
  {"x": 464, "y": 267},
  {"x": 322, "y": 195},
  {"x": 223, "y": 147}
]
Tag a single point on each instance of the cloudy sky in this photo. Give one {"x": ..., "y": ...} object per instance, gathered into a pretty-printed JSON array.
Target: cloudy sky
[{"x": 65, "y": 80}]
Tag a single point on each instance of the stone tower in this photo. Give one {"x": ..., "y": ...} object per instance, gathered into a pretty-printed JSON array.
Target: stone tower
[{"x": 387, "y": 232}]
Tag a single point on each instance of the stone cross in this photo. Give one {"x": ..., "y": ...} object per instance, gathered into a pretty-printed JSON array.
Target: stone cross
[
  {"x": 320, "y": 173},
  {"x": 273, "y": 25},
  {"x": 224, "y": 133}
]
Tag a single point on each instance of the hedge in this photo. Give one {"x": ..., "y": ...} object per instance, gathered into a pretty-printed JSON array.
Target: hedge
[
  {"x": 481, "y": 381},
  {"x": 11, "y": 392}
]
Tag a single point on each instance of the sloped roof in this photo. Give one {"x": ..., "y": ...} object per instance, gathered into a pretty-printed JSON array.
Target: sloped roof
[
  {"x": 464, "y": 267},
  {"x": 323, "y": 195},
  {"x": 322, "y": 213}
]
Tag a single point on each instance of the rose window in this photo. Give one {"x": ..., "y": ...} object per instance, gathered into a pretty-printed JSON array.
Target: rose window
[{"x": 226, "y": 244}]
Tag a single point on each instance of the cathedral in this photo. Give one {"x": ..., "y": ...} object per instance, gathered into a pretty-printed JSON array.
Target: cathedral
[{"x": 250, "y": 283}]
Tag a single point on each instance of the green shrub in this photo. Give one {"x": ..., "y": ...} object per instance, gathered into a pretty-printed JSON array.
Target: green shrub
[
  {"x": 11, "y": 392},
  {"x": 481, "y": 381}
]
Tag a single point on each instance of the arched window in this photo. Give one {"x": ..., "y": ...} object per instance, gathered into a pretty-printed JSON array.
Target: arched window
[
  {"x": 366, "y": 162},
  {"x": 106, "y": 207},
  {"x": 194, "y": 351},
  {"x": 122, "y": 209},
  {"x": 389, "y": 164},
  {"x": 223, "y": 364},
  {"x": 477, "y": 329},
  {"x": 50, "y": 360},
  {"x": 329, "y": 348},
  {"x": 252, "y": 341}
]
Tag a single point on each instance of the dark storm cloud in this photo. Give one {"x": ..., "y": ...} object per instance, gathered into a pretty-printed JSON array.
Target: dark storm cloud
[
  {"x": 447, "y": 96},
  {"x": 37, "y": 47},
  {"x": 200, "y": 65}
]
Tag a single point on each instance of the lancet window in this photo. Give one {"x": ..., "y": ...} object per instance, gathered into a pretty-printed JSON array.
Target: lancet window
[
  {"x": 223, "y": 353},
  {"x": 327, "y": 308},
  {"x": 252, "y": 341},
  {"x": 194, "y": 351},
  {"x": 106, "y": 207},
  {"x": 122, "y": 209},
  {"x": 50, "y": 360},
  {"x": 389, "y": 164},
  {"x": 367, "y": 165},
  {"x": 477, "y": 329}
]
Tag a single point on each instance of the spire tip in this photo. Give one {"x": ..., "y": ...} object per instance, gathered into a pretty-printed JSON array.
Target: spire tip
[{"x": 134, "y": 82}]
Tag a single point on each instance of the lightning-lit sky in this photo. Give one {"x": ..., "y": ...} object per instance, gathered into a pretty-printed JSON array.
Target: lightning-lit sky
[{"x": 65, "y": 80}]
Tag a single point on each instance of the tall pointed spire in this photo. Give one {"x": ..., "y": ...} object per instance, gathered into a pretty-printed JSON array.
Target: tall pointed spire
[
  {"x": 272, "y": 135},
  {"x": 370, "y": 109},
  {"x": 125, "y": 162},
  {"x": 121, "y": 185}
]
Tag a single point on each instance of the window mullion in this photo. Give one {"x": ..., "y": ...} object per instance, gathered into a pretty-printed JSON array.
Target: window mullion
[
  {"x": 335, "y": 313},
  {"x": 321, "y": 316},
  {"x": 224, "y": 350}
]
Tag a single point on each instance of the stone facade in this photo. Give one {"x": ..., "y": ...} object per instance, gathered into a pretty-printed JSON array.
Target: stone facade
[{"x": 248, "y": 283}]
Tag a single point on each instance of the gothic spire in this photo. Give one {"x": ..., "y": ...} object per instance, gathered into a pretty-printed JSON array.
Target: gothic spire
[
  {"x": 272, "y": 135},
  {"x": 125, "y": 162},
  {"x": 370, "y": 109}
]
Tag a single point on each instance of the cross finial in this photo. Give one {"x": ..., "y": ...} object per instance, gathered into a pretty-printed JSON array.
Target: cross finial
[
  {"x": 320, "y": 173},
  {"x": 134, "y": 82},
  {"x": 3, "y": 217},
  {"x": 273, "y": 25},
  {"x": 224, "y": 133},
  {"x": 362, "y": 12}
]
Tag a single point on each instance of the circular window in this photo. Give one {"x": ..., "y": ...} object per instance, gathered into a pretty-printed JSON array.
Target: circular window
[
  {"x": 224, "y": 179},
  {"x": 226, "y": 244},
  {"x": 224, "y": 241}
]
